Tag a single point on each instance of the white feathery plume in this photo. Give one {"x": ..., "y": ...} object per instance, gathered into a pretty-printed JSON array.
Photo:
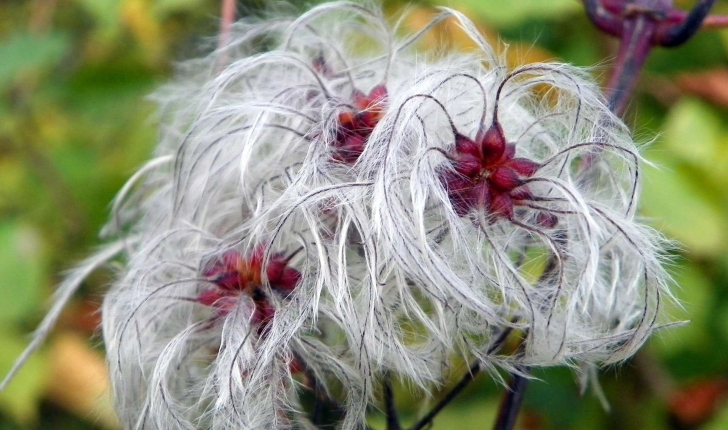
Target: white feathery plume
[
  {"x": 515, "y": 166},
  {"x": 73, "y": 280}
]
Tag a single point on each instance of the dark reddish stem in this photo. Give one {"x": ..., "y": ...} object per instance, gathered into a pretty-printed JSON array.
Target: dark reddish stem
[
  {"x": 511, "y": 403},
  {"x": 469, "y": 377},
  {"x": 226, "y": 21},
  {"x": 641, "y": 25},
  {"x": 716, "y": 21},
  {"x": 676, "y": 35},
  {"x": 605, "y": 19},
  {"x": 634, "y": 48},
  {"x": 449, "y": 397},
  {"x": 391, "y": 409}
]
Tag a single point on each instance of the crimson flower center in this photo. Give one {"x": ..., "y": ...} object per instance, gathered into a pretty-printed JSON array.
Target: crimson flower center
[
  {"x": 235, "y": 275},
  {"x": 487, "y": 176}
]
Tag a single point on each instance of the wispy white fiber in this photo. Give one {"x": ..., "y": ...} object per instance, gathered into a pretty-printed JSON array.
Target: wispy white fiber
[{"x": 72, "y": 282}]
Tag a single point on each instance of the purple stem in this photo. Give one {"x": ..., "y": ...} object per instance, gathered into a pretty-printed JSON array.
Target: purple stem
[
  {"x": 634, "y": 48},
  {"x": 605, "y": 19},
  {"x": 676, "y": 35},
  {"x": 641, "y": 24}
]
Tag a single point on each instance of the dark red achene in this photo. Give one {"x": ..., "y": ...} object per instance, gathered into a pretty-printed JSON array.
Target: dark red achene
[
  {"x": 355, "y": 126},
  {"x": 487, "y": 175},
  {"x": 234, "y": 275}
]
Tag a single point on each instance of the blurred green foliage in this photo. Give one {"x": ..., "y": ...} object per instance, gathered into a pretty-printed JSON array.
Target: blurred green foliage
[{"x": 74, "y": 124}]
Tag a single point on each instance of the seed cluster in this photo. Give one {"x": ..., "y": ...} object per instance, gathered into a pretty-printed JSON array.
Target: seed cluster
[
  {"x": 487, "y": 175},
  {"x": 349, "y": 204},
  {"x": 356, "y": 125},
  {"x": 235, "y": 275}
]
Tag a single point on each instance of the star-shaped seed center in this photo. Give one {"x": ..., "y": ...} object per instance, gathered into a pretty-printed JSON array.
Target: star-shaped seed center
[{"x": 487, "y": 175}]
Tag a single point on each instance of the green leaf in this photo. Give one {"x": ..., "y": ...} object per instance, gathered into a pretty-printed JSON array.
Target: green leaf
[
  {"x": 22, "y": 269},
  {"x": 682, "y": 206},
  {"x": 21, "y": 398},
  {"x": 693, "y": 132},
  {"x": 695, "y": 296},
  {"x": 106, "y": 13},
  {"x": 719, "y": 421},
  {"x": 554, "y": 395},
  {"x": 163, "y": 8},
  {"x": 13, "y": 184},
  {"x": 24, "y": 52},
  {"x": 511, "y": 13},
  {"x": 466, "y": 415}
]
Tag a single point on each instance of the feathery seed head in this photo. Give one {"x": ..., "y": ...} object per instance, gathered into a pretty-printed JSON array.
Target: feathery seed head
[
  {"x": 437, "y": 203},
  {"x": 416, "y": 242}
]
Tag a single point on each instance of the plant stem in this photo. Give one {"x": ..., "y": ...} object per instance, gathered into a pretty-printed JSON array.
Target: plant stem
[
  {"x": 318, "y": 404},
  {"x": 635, "y": 47},
  {"x": 457, "y": 389},
  {"x": 511, "y": 404},
  {"x": 473, "y": 371},
  {"x": 676, "y": 35},
  {"x": 716, "y": 21},
  {"x": 641, "y": 25},
  {"x": 226, "y": 21},
  {"x": 322, "y": 402},
  {"x": 391, "y": 409}
]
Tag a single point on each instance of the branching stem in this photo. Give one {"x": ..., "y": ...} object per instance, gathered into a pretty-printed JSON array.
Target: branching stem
[
  {"x": 469, "y": 377},
  {"x": 634, "y": 48},
  {"x": 642, "y": 25}
]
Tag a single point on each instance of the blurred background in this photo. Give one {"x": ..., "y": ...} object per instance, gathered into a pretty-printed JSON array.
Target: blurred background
[{"x": 75, "y": 124}]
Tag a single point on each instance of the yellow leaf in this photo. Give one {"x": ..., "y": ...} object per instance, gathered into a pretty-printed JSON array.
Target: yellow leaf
[
  {"x": 139, "y": 18},
  {"x": 79, "y": 380},
  {"x": 448, "y": 35}
]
